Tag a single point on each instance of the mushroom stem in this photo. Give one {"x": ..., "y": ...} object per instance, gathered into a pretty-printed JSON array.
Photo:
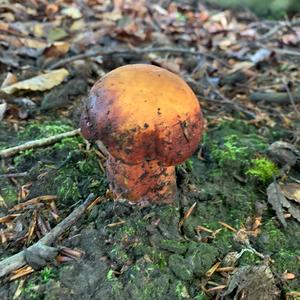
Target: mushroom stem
[{"x": 145, "y": 181}]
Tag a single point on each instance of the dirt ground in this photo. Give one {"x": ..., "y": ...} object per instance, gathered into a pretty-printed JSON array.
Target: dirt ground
[{"x": 233, "y": 231}]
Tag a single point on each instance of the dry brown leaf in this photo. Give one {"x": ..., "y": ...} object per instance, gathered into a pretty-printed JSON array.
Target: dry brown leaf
[
  {"x": 41, "y": 82},
  {"x": 248, "y": 278},
  {"x": 241, "y": 66},
  {"x": 57, "y": 49},
  {"x": 278, "y": 201},
  {"x": 9, "y": 80},
  {"x": 292, "y": 191}
]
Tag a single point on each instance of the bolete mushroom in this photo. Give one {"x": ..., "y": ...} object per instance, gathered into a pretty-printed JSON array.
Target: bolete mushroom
[{"x": 149, "y": 120}]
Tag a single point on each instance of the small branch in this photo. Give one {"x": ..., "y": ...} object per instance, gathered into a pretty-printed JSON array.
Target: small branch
[
  {"x": 280, "y": 26},
  {"x": 122, "y": 52},
  {"x": 37, "y": 143},
  {"x": 18, "y": 260},
  {"x": 14, "y": 175},
  {"x": 225, "y": 100},
  {"x": 277, "y": 98},
  {"x": 285, "y": 52},
  {"x": 291, "y": 97}
]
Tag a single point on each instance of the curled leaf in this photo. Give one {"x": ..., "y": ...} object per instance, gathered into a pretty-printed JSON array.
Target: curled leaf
[
  {"x": 41, "y": 82},
  {"x": 278, "y": 201},
  {"x": 292, "y": 191}
]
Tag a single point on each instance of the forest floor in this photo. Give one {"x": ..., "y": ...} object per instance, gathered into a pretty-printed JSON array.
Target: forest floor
[{"x": 233, "y": 231}]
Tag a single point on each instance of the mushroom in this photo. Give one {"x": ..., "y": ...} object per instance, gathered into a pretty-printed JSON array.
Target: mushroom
[{"x": 149, "y": 119}]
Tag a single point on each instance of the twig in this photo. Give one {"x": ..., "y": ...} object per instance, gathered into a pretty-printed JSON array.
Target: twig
[
  {"x": 225, "y": 100},
  {"x": 37, "y": 143},
  {"x": 274, "y": 97},
  {"x": 280, "y": 26},
  {"x": 122, "y": 52},
  {"x": 18, "y": 260},
  {"x": 285, "y": 51},
  {"x": 291, "y": 97},
  {"x": 13, "y": 175}
]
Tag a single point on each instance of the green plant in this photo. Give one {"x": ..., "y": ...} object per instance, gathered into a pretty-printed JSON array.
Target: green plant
[
  {"x": 110, "y": 275},
  {"x": 40, "y": 130},
  {"x": 46, "y": 274},
  {"x": 181, "y": 290},
  {"x": 263, "y": 169},
  {"x": 30, "y": 290},
  {"x": 230, "y": 152}
]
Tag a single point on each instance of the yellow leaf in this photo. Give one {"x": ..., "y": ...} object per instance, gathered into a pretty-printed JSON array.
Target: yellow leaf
[{"x": 41, "y": 82}]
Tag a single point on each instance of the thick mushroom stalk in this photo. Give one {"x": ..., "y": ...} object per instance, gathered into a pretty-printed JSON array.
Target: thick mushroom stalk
[{"x": 150, "y": 120}]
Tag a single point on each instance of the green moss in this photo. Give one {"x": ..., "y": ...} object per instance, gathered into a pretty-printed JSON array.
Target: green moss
[
  {"x": 201, "y": 296},
  {"x": 249, "y": 258},
  {"x": 23, "y": 156},
  {"x": 9, "y": 194},
  {"x": 236, "y": 150},
  {"x": 79, "y": 176},
  {"x": 181, "y": 291},
  {"x": 110, "y": 276},
  {"x": 159, "y": 258},
  {"x": 173, "y": 246},
  {"x": 187, "y": 165},
  {"x": 230, "y": 151},
  {"x": 71, "y": 172},
  {"x": 30, "y": 290},
  {"x": 271, "y": 237},
  {"x": 119, "y": 255},
  {"x": 40, "y": 130},
  {"x": 223, "y": 241},
  {"x": 33, "y": 287},
  {"x": 46, "y": 274},
  {"x": 263, "y": 169},
  {"x": 283, "y": 247}
]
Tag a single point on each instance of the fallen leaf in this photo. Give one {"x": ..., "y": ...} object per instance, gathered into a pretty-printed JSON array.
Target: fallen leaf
[
  {"x": 292, "y": 191},
  {"x": 241, "y": 66},
  {"x": 278, "y": 201},
  {"x": 57, "y": 49},
  {"x": 56, "y": 34},
  {"x": 41, "y": 82},
  {"x": 9, "y": 80},
  {"x": 72, "y": 12},
  {"x": 247, "y": 279},
  {"x": 283, "y": 153}
]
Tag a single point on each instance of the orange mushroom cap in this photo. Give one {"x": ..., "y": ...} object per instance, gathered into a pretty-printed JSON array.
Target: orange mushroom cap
[{"x": 143, "y": 112}]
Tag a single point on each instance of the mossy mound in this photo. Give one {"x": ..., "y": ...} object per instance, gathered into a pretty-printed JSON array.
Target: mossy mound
[{"x": 133, "y": 252}]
